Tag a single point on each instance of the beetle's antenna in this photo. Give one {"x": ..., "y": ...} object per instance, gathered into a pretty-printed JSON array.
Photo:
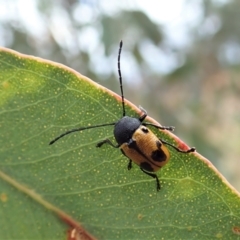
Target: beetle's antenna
[
  {"x": 120, "y": 77},
  {"x": 79, "y": 129}
]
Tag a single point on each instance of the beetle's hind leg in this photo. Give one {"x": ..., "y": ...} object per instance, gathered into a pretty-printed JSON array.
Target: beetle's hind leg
[
  {"x": 177, "y": 149},
  {"x": 108, "y": 142},
  {"x": 153, "y": 175}
]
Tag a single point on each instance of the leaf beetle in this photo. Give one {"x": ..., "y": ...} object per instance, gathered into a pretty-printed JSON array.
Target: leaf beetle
[{"x": 135, "y": 140}]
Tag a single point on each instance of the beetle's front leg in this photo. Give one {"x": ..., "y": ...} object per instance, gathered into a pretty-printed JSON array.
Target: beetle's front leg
[{"x": 108, "y": 142}]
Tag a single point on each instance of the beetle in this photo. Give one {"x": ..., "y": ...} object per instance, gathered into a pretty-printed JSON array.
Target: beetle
[{"x": 135, "y": 140}]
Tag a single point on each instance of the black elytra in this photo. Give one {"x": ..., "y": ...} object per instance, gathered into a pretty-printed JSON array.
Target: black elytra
[{"x": 137, "y": 142}]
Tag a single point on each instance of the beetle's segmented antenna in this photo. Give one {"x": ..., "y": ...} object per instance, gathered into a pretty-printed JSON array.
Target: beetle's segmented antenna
[
  {"x": 120, "y": 77},
  {"x": 78, "y": 130}
]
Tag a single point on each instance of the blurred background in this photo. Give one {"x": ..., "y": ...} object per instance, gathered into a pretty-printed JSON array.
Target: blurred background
[{"x": 180, "y": 59}]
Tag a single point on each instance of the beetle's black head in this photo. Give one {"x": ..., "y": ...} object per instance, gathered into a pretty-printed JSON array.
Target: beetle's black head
[{"x": 125, "y": 128}]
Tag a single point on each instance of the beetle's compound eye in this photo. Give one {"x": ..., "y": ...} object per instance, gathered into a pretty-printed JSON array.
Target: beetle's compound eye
[{"x": 144, "y": 129}]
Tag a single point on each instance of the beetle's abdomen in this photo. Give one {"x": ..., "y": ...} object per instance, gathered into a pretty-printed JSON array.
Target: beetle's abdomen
[{"x": 146, "y": 150}]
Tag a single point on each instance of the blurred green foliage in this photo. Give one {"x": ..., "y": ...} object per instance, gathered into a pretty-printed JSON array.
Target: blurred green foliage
[{"x": 199, "y": 95}]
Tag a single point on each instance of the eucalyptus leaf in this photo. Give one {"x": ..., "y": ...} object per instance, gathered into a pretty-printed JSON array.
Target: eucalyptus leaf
[{"x": 39, "y": 100}]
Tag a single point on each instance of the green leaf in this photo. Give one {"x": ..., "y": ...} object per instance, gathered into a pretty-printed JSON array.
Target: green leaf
[{"x": 78, "y": 183}]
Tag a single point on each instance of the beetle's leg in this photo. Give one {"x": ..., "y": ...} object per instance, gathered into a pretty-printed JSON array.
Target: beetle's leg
[
  {"x": 169, "y": 128},
  {"x": 130, "y": 161},
  {"x": 108, "y": 142},
  {"x": 153, "y": 175},
  {"x": 177, "y": 149},
  {"x": 141, "y": 118},
  {"x": 129, "y": 164}
]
